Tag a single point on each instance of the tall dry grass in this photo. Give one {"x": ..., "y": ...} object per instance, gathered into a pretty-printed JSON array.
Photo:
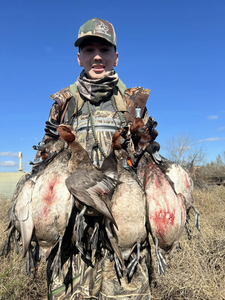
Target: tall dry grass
[{"x": 195, "y": 272}]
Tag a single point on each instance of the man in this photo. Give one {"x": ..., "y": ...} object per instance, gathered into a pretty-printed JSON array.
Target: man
[
  {"x": 96, "y": 105},
  {"x": 98, "y": 95}
]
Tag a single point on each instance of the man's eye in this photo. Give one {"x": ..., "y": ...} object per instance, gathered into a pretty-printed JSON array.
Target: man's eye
[
  {"x": 88, "y": 50},
  {"x": 105, "y": 49}
]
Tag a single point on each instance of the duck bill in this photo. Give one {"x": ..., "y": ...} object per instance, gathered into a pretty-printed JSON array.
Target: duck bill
[{"x": 124, "y": 142}]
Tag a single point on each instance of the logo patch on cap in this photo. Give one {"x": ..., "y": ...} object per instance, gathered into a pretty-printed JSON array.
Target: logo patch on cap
[{"x": 102, "y": 28}]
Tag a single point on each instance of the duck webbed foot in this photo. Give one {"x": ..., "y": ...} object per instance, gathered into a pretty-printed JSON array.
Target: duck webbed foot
[
  {"x": 132, "y": 265},
  {"x": 28, "y": 263},
  {"x": 36, "y": 162},
  {"x": 197, "y": 217},
  {"x": 31, "y": 259},
  {"x": 157, "y": 158},
  {"x": 52, "y": 125},
  {"x": 153, "y": 147},
  {"x": 40, "y": 147},
  {"x": 94, "y": 241},
  {"x": 178, "y": 247},
  {"x": 187, "y": 229},
  {"x": 51, "y": 129},
  {"x": 119, "y": 263},
  {"x": 7, "y": 244},
  {"x": 162, "y": 265},
  {"x": 56, "y": 266},
  {"x": 118, "y": 266},
  {"x": 50, "y": 156},
  {"x": 80, "y": 227}
]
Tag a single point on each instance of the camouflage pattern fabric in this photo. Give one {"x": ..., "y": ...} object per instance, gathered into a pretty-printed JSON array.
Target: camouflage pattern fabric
[
  {"x": 101, "y": 282},
  {"x": 106, "y": 124},
  {"x": 96, "y": 27},
  {"x": 61, "y": 99},
  {"x": 84, "y": 287},
  {"x": 135, "y": 97},
  {"x": 137, "y": 289},
  {"x": 96, "y": 90}
]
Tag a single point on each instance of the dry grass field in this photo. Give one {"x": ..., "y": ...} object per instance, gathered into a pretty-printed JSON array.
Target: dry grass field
[{"x": 195, "y": 272}]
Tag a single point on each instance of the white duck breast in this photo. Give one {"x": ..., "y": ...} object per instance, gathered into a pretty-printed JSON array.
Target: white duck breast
[
  {"x": 128, "y": 210},
  {"x": 181, "y": 181}
]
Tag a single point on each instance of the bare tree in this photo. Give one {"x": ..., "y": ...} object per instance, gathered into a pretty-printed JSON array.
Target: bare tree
[
  {"x": 223, "y": 156},
  {"x": 219, "y": 160},
  {"x": 184, "y": 145},
  {"x": 214, "y": 172},
  {"x": 196, "y": 156}
]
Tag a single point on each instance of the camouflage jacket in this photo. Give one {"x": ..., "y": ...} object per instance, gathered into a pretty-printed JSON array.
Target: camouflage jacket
[{"x": 69, "y": 107}]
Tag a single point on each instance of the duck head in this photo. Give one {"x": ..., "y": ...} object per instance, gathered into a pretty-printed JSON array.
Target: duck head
[
  {"x": 119, "y": 145},
  {"x": 120, "y": 139},
  {"x": 66, "y": 133},
  {"x": 142, "y": 134}
]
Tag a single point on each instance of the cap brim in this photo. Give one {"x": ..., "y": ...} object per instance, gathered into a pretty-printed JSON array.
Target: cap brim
[{"x": 81, "y": 39}]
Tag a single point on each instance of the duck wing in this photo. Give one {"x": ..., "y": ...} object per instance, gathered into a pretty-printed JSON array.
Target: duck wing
[
  {"x": 109, "y": 166},
  {"x": 23, "y": 214},
  {"x": 88, "y": 185},
  {"x": 18, "y": 189},
  {"x": 13, "y": 222}
]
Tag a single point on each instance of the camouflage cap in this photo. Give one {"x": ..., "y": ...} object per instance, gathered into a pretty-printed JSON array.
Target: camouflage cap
[{"x": 96, "y": 27}]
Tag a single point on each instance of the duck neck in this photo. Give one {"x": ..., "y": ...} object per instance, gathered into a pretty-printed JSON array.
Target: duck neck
[
  {"x": 78, "y": 155},
  {"x": 110, "y": 160}
]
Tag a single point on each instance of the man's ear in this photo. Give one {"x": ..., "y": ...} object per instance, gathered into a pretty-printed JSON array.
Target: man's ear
[
  {"x": 79, "y": 60},
  {"x": 116, "y": 59}
]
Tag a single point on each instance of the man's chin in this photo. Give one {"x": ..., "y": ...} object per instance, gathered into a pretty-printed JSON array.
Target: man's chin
[{"x": 96, "y": 75}]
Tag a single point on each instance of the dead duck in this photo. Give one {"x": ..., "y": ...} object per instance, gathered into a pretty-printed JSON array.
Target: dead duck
[
  {"x": 41, "y": 212},
  {"x": 52, "y": 202},
  {"x": 20, "y": 214},
  {"x": 128, "y": 210},
  {"x": 22, "y": 195},
  {"x": 143, "y": 137},
  {"x": 166, "y": 213},
  {"x": 52, "y": 205}
]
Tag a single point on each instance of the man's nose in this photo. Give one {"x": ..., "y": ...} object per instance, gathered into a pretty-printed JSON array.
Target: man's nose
[{"x": 97, "y": 56}]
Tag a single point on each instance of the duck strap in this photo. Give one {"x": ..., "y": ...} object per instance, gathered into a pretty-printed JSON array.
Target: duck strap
[
  {"x": 119, "y": 113},
  {"x": 95, "y": 148},
  {"x": 97, "y": 144}
]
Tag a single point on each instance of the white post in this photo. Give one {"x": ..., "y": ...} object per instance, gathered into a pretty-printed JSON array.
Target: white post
[{"x": 20, "y": 163}]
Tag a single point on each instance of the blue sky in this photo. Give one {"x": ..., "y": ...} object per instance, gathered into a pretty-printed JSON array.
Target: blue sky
[{"x": 176, "y": 48}]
